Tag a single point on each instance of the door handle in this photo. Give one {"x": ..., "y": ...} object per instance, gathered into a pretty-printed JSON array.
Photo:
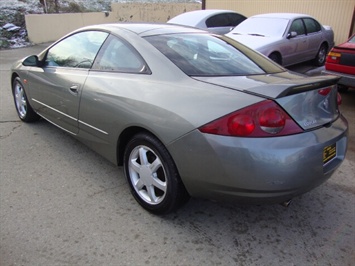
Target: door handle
[{"x": 74, "y": 89}]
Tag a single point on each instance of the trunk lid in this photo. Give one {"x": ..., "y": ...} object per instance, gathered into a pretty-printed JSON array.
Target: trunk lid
[{"x": 310, "y": 101}]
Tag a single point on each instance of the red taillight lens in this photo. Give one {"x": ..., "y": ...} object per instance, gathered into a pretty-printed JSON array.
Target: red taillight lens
[
  {"x": 241, "y": 125},
  {"x": 333, "y": 57},
  {"x": 339, "y": 100},
  {"x": 263, "y": 119},
  {"x": 272, "y": 120},
  {"x": 325, "y": 91}
]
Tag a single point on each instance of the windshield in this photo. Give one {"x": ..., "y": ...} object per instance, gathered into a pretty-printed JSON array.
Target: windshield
[
  {"x": 211, "y": 55},
  {"x": 269, "y": 27}
]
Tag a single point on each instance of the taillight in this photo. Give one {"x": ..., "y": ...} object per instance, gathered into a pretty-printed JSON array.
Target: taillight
[
  {"x": 263, "y": 119},
  {"x": 339, "y": 100},
  {"x": 325, "y": 91},
  {"x": 333, "y": 57}
]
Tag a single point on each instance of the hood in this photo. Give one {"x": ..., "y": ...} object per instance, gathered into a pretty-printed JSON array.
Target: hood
[{"x": 254, "y": 42}]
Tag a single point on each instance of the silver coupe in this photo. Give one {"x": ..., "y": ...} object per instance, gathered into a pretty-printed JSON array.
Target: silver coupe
[
  {"x": 286, "y": 38},
  {"x": 187, "y": 113}
]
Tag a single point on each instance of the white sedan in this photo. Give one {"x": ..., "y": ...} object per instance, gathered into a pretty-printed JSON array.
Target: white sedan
[
  {"x": 286, "y": 38},
  {"x": 213, "y": 20}
]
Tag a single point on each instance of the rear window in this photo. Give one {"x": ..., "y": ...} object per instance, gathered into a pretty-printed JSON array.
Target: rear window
[
  {"x": 224, "y": 20},
  {"x": 211, "y": 55}
]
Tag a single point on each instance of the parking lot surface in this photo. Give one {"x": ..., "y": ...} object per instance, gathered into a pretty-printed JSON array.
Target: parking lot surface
[{"x": 62, "y": 204}]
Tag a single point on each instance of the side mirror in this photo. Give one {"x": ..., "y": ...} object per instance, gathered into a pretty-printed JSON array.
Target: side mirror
[
  {"x": 291, "y": 35},
  {"x": 31, "y": 61}
]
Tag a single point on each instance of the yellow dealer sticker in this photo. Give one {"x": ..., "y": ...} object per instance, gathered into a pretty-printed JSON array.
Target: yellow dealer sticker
[{"x": 329, "y": 153}]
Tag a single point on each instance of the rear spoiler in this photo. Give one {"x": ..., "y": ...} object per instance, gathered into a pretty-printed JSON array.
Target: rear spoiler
[
  {"x": 299, "y": 86},
  {"x": 310, "y": 86}
]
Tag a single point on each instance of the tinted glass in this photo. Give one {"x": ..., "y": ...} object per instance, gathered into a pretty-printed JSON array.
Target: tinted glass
[
  {"x": 208, "y": 55},
  {"x": 220, "y": 20},
  {"x": 78, "y": 50},
  {"x": 224, "y": 20},
  {"x": 235, "y": 19},
  {"x": 298, "y": 27},
  {"x": 311, "y": 25},
  {"x": 117, "y": 55},
  {"x": 272, "y": 27}
]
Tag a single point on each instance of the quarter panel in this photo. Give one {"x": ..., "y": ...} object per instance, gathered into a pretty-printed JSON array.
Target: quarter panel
[
  {"x": 112, "y": 102},
  {"x": 257, "y": 168}
]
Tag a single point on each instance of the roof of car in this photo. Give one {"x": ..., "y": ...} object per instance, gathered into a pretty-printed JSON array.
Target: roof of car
[
  {"x": 195, "y": 17},
  {"x": 281, "y": 15},
  {"x": 144, "y": 29}
]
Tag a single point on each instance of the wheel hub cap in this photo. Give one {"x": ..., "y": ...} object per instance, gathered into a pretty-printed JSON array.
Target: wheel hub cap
[{"x": 147, "y": 175}]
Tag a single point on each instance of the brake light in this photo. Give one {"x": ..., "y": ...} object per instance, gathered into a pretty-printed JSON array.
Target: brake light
[
  {"x": 263, "y": 119},
  {"x": 333, "y": 57}
]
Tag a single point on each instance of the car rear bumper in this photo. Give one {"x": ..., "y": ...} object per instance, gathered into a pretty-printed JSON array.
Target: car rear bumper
[
  {"x": 258, "y": 170},
  {"x": 346, "y": 79}
]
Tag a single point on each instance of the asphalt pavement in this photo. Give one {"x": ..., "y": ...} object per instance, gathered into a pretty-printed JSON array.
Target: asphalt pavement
[{"x": 62, "y": 204}]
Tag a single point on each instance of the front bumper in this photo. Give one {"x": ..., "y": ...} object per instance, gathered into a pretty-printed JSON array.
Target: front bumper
[{"x": 257, "y": 170}]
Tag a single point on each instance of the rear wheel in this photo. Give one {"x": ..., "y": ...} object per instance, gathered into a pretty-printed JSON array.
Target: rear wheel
[
  {"x": 152, "y": 175},
  {"x": 23, "y": 107},
  {"x": 321, "y": 55}
]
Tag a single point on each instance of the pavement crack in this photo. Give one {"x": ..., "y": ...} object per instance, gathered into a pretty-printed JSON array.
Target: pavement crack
[
  {"x": 102, "y": 191},
  {"x": 12, "y": 130},
  {"x": 10, "y": 121}
]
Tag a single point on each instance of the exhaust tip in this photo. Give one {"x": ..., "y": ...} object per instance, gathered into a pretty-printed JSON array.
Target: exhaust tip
[{"x": 286, "y": 203}]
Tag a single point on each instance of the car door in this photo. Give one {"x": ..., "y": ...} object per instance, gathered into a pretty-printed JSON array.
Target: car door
[
  {"x": 296, "y": 45},
  {"x": 314, "y": 36},
  {"x": 118, "y": 72},
  {"x": 56, "y": 87}
]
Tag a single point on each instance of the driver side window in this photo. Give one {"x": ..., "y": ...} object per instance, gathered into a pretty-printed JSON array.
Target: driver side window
[{"x": 86, "y": 45}]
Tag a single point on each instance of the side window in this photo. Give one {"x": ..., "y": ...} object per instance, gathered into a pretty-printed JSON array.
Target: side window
[
  {"x": 297, "y": 26},
  {"x": 311, "y": 25},
  {"x": 78, "y": 50},
  {"x": 220, "y": 20},
  {"x": 119, "y": 56}
]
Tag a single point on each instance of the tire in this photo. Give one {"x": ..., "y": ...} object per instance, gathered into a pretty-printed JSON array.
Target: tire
[
  {"x": 23, "y": 107},
  {"x": 276, "y": 58},
  {"x": 152, "y": 175},
  {"x": 321, "y": 55}
]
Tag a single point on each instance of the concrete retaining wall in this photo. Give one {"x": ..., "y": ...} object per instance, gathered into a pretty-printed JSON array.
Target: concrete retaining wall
[{"x": 43, "y": 28}]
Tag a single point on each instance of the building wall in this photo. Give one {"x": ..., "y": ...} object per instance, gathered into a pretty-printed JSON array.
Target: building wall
[
  {"x": 149, "y": 12},
  {"x": 339, "y": 14},
  {"x": 43, "y": 28}
]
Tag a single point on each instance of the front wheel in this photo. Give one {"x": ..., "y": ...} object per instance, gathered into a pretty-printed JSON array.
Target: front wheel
[
  {"x": 152, "y": 175},
  {"x": 23, "y": 107}
]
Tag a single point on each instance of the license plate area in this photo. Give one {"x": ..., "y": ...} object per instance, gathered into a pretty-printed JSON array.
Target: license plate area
[{"x": 329, "y": 153}]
